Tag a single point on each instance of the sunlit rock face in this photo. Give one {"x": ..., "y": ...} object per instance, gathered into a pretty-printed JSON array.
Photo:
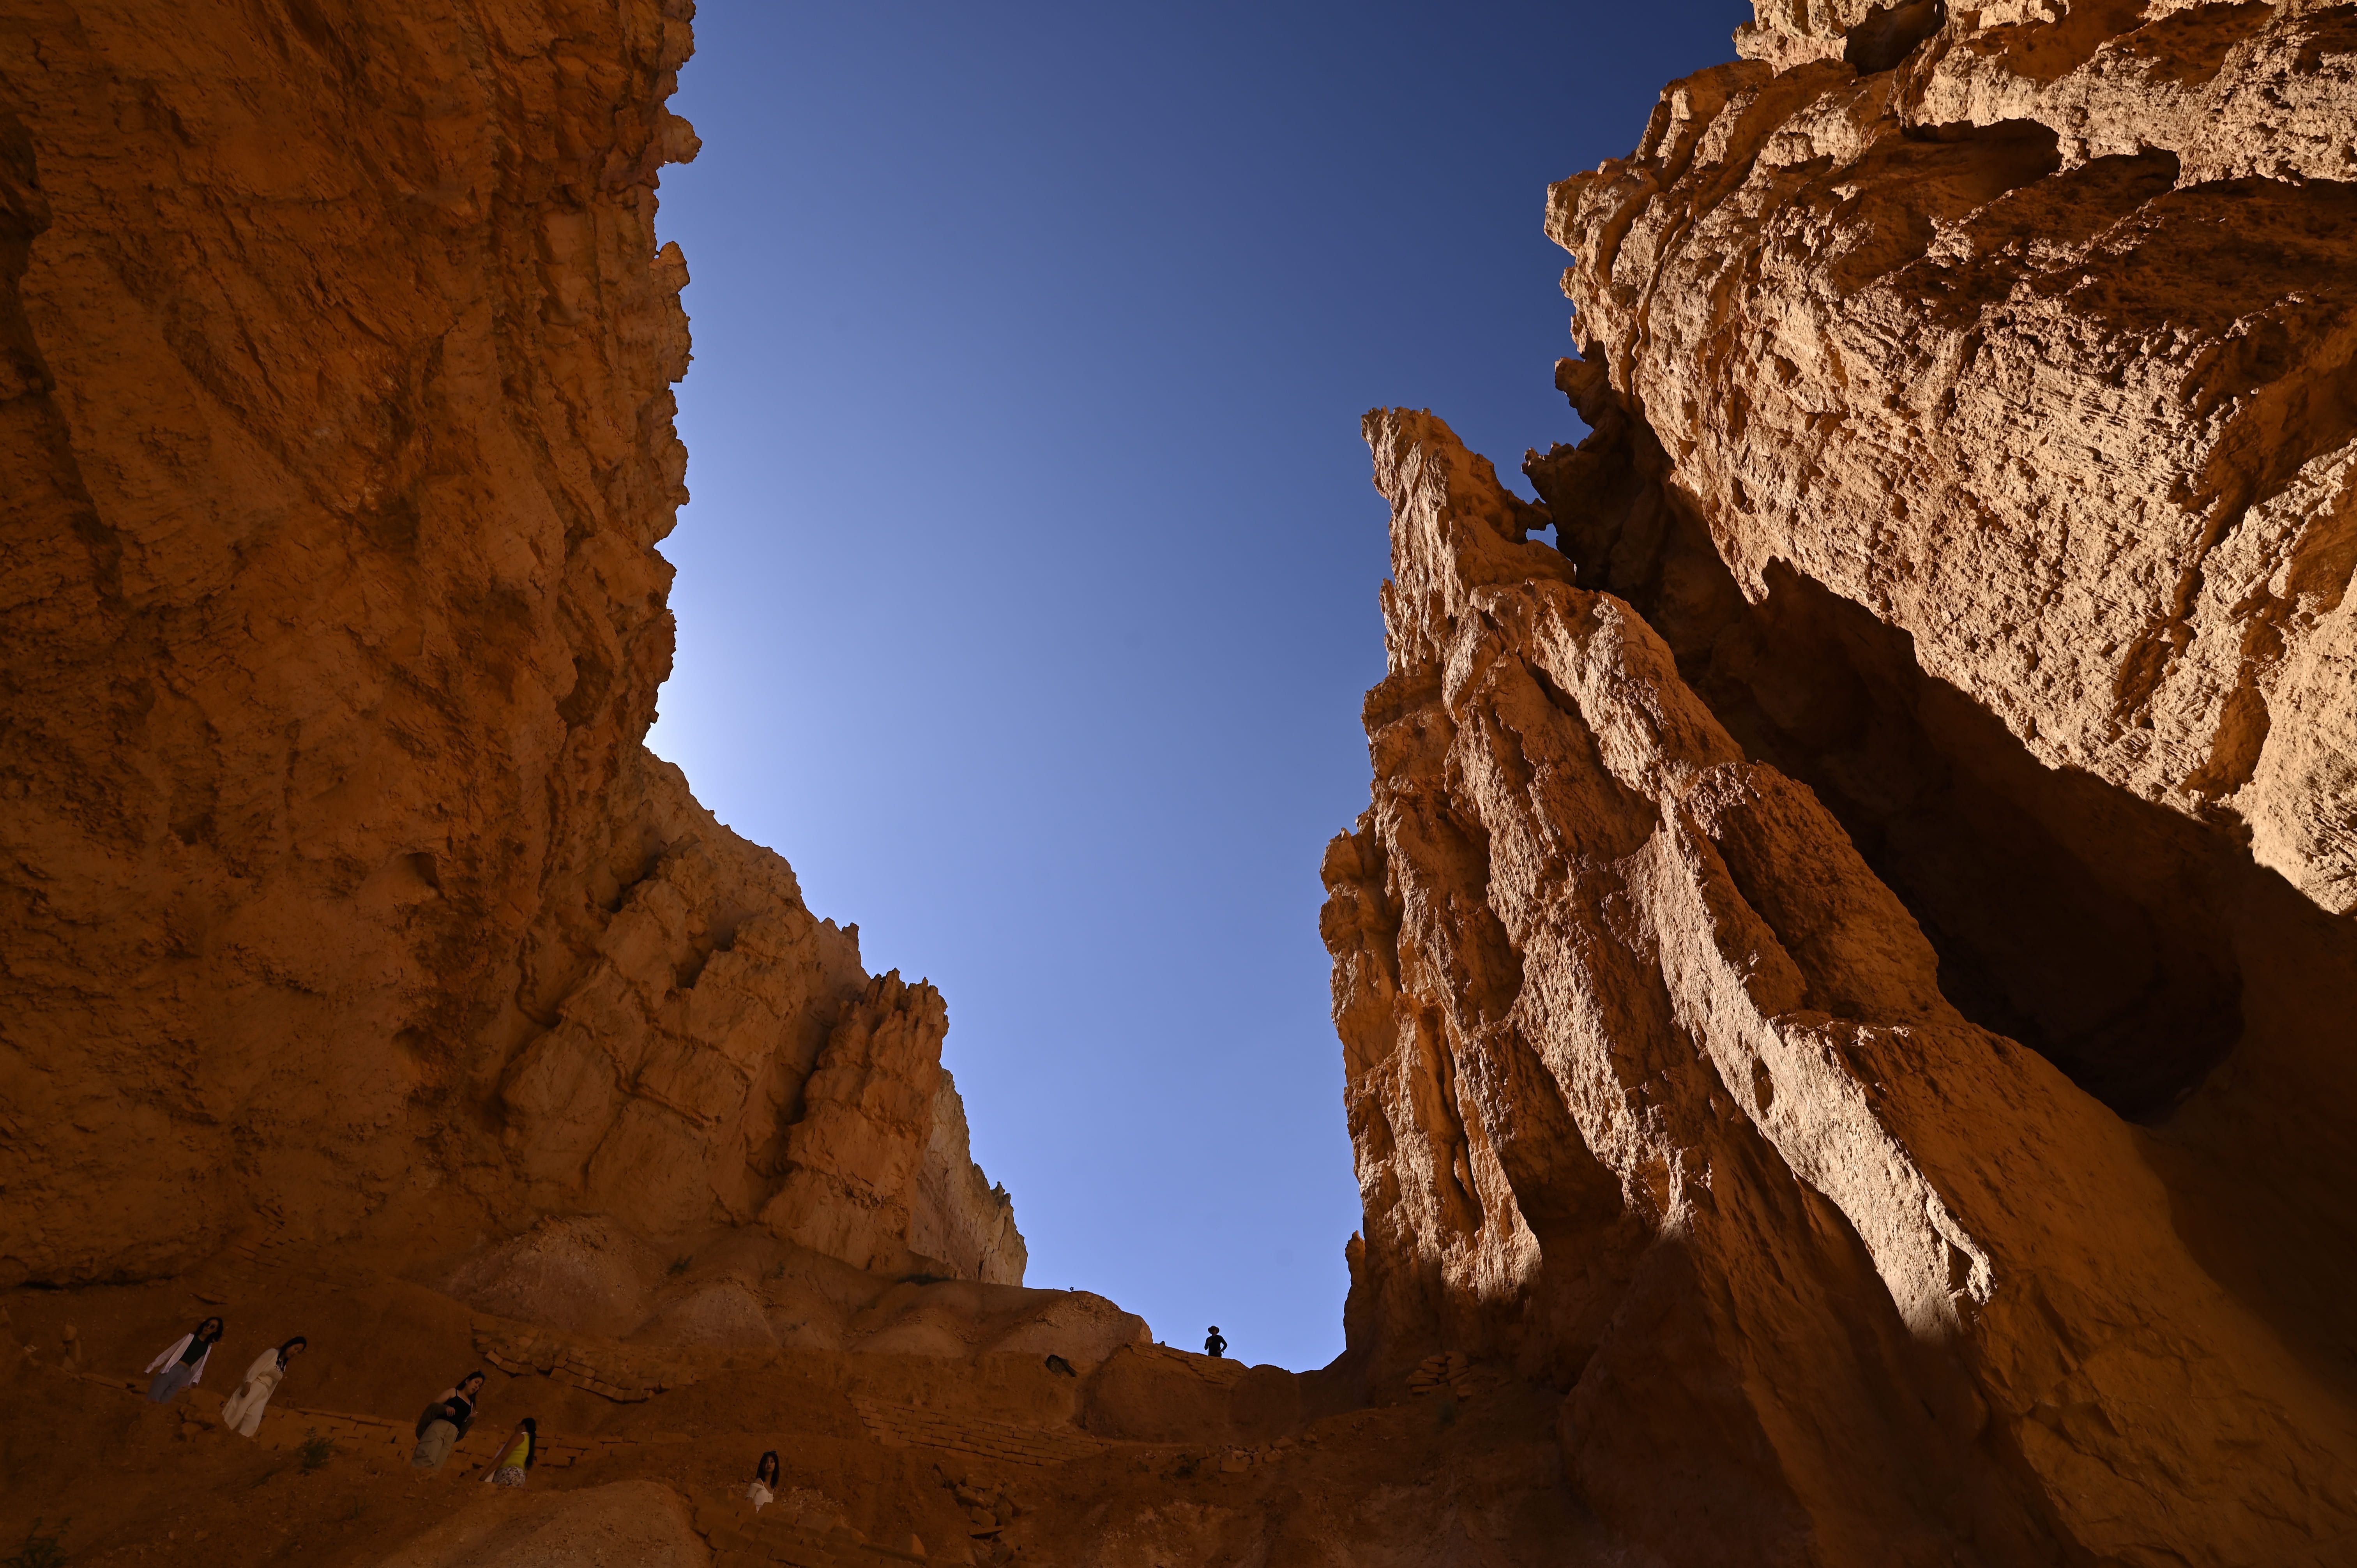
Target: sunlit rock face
[
  {"x": 1845, "y": 972},
  {"x": 2039, "y": 347},
  {"x": 336, "y": 354}
]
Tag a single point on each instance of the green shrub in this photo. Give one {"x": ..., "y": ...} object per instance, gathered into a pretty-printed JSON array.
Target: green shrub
[{"x": 39, "y": 1551}]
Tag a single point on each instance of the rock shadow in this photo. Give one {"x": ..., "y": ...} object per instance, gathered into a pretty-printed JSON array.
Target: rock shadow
[{"x": 2143, "y": 951}]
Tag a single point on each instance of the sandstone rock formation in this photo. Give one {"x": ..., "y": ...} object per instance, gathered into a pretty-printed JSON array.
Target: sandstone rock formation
[
  {"x": 637, "y": 1522},
  {"x": 341, "y": 894},
  {"x": 1847, "y": 971},
  {"x": 2040, "y": 346},
  {"x": 1656, "y": 1091}
]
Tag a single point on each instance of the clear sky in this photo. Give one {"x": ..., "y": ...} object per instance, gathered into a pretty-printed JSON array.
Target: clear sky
[{"x": 1028, "y": 595}]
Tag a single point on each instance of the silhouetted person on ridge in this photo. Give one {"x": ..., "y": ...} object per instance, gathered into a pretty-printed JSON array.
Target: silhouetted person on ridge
[{"x": 1215, "y": 1346}]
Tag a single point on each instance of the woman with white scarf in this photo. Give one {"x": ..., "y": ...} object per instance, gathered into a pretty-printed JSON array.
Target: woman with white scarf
[
  {"x": 183, "y": 1362},
  {"x": 243, "y": 1411}
]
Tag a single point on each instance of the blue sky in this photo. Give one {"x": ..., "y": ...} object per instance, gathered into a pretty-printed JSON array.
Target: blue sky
[{"x": 1028, "y": 595}]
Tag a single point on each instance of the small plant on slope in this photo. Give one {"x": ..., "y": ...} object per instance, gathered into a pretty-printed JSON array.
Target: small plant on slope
[{"x": 39, "y": 1551}]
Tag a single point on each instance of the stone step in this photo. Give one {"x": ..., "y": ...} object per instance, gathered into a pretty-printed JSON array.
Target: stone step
[
  {"x": 736, "y": 1538},
  {"x": 904, "y": 1426}
]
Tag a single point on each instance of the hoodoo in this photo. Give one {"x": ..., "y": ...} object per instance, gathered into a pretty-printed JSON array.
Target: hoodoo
[
  {"x": 1844, "y": 982},
  {"x": 1846, "y": 972}
]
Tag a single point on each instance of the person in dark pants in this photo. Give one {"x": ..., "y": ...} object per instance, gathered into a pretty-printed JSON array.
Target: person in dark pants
[
  {"x": 445, "y": 1421},
  {"x": 1215, "y": 1346},
  {"x": 183, "y": 1362}
]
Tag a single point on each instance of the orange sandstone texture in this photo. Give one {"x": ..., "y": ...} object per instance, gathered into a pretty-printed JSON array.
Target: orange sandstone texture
[
  {"x": 341, "y": 894},
  {"x": 1846, "y": 972},
  {"x": 2040, "y": 346}
]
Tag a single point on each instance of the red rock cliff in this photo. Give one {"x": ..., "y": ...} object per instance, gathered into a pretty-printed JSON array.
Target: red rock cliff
[
  {"x": 341, "y": 891},
  {"x": 1846, "y": 972}
]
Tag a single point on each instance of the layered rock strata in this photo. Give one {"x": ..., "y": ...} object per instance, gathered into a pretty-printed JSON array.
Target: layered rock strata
[
  {"x": 340, "y": 891},
  {"x": 2040, "y": 346},
  {"x": 1845, "y": 971}
]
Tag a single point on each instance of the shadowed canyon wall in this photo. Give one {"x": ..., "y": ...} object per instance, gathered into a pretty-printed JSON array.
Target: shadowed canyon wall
[
  {"x": 1847, "y": 968},
  {"x": 341, "y": 891}
]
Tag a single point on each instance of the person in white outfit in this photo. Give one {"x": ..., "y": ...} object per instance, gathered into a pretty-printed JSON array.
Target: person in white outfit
[
  {"x": 763, "y": 1490},
  {"x": 243, "y": 1411},
  {"x": 183, "y": 1363}
]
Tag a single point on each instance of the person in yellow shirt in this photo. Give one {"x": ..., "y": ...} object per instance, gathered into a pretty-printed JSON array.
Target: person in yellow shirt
[{"x": 516, "y": 1454}]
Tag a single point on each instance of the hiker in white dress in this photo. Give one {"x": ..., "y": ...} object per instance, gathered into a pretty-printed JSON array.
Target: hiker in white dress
[
  {"x": 242, "y": 1410},
  {"x": 765, "y": 1481}
]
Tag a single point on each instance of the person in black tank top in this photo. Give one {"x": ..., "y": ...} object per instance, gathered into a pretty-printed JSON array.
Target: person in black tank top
[{"x": 445, "y": 1421}]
